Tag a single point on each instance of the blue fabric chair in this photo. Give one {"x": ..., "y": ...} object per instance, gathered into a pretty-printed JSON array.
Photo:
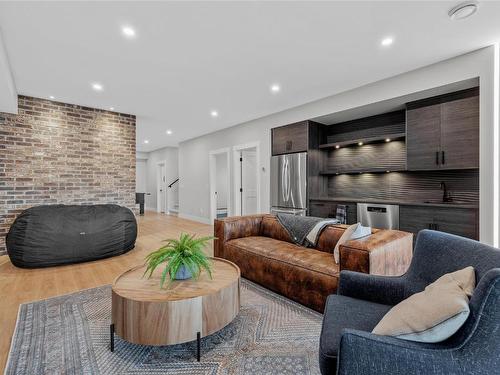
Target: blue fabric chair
[{"x": 347, "y": 345}]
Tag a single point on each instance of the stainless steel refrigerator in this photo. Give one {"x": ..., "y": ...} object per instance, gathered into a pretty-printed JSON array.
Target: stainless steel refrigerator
[{"x": 289, "y": 183}]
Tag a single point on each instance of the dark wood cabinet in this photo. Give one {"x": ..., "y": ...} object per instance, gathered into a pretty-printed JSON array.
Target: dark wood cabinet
[
  {"x": 322, "y": 209},
  {"x": 460, "y": 221},
  {"x": 290, "y": 138},
  {"x": 443, "y": 135},
  {"x": 328, "y": 209},
  {"x": 460, "y": 133},
  {"x": 423, "y": 137}
]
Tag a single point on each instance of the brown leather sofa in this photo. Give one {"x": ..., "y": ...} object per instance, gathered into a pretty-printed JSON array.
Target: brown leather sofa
[{"x": 266, "y": 254}]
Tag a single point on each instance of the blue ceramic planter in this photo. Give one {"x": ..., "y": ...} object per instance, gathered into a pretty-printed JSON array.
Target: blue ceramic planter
[{"x": 183, "y": 273}]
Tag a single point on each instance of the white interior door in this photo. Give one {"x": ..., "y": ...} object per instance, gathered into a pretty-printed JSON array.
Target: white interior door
[
  {"x": 221, "y": 185},
  {"x": 248, "y": 191},
  {"x": 161, "y": 195}
]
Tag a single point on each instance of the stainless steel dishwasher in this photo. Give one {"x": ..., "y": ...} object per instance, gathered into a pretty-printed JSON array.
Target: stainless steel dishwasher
[{"x": 381, "y": 216}]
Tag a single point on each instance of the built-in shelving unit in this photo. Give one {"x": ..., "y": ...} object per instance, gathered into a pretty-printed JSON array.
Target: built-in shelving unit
[
  {"x": 364, "y": 141},
  {"x": 359, "y": 171}
]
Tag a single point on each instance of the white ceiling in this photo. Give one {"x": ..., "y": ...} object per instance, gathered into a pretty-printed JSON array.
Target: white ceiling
[{"x": 191, "y": 57}]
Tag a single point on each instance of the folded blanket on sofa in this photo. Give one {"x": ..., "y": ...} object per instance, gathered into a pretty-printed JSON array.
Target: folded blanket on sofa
[{"x": 304, "y": 230}]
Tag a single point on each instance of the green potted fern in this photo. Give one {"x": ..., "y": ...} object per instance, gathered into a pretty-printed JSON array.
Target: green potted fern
[{"x": 184, "y": 258}]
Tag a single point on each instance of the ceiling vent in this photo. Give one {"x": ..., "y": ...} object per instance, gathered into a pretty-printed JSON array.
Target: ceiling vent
[{"x": 463, "y": 10}]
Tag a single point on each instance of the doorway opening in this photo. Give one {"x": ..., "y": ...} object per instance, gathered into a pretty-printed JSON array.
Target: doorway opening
[
  {"x": 247, "y": 179},
  {"x": 161, "y": 187},
  {"x": 220, "y": 183}
]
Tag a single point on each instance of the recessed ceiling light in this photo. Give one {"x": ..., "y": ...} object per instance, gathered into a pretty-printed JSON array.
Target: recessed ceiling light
[
  {"x": 169, "y": 132},
  {"x": 463, "y": 10},
  {"x": 337, "y": 146},
  {"x": 214, "y": 113},
  {"x": 146, "y": 141},
  {"x": 360, "y": 143},
  {"x": 97, "y": 86},
  {"x": 52, "y": 97},
  {"x": 275, "y": 88},
  {"x": 128, "y": 31},
  {"x": 387, "y": 41},
  {"x": 387, "y": 139}
]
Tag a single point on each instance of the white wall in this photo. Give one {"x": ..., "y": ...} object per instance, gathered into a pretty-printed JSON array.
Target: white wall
[
  {"x": 169, "y": 155},
  {"x": 141, "y": 159},
  {"x": 140, "y": 175},
  {"x": 8, "y": 91},
  {"x": 193, "y": 154}
]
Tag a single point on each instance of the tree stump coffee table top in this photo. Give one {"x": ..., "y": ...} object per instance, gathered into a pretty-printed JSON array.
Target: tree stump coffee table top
[{"x": 142, "y": 313}]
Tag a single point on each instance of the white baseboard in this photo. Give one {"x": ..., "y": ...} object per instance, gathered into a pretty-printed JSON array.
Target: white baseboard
[{"x": 199, "y": 219}]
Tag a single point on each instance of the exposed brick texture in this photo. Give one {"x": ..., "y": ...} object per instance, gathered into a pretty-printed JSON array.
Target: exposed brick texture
[{"x": 54, "y": 153}]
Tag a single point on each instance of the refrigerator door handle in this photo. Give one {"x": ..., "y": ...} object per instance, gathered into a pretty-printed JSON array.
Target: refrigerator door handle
[
  {"x": 288, "y": 181},
  {"x": 283, "y": 187}
]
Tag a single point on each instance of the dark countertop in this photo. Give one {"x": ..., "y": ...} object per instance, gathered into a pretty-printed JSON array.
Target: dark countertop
[{"x": 401, "y": 203}]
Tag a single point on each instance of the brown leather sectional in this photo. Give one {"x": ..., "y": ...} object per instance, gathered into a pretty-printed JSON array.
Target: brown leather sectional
[{"x": 266, "y": 254}]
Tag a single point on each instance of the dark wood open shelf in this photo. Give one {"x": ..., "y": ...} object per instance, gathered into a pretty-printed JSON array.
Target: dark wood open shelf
[
  {"x": 367, "y": 140},
  {"x": 359, "y": 171}
]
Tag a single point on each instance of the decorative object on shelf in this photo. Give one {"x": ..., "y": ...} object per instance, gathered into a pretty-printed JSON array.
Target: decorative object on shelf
[{"x": 183, "y": 258}]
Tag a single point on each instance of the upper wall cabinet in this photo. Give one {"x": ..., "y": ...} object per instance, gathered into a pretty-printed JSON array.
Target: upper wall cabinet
[
  {"x": 443, "y": 132},
  {"x": 290, "y": 138},
  {"x": 460, "y": 133}
]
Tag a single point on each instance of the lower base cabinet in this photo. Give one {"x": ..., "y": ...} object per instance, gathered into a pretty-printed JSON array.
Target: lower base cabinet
[
  {"x": 328, "y": 209},
  {"x": 460, "y": 221}
]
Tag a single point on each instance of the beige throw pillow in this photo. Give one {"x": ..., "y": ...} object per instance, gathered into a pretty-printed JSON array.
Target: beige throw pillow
[
  {"x": 352, "y": 232},
  {"x": 434, "y": 314},
  {"x": 346, "y": 236}
]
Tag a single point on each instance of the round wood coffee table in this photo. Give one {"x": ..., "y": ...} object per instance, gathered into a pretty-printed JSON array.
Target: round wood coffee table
[{"x": 186, "y": 310}]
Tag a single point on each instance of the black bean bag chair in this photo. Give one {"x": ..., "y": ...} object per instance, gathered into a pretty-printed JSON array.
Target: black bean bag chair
[{"x": 52, "y": 235}]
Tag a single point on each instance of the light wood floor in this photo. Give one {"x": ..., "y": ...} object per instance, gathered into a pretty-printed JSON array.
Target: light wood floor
[{"x": 18, "y": 285}]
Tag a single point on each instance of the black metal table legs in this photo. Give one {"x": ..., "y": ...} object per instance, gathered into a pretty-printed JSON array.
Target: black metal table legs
[
  {"x": 112, "y": 337},
  {"x": 198, "y": 346},
  {"x": 112, "y": 341}
]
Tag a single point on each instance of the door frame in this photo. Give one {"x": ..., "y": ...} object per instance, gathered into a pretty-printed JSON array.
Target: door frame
[
  {"x": 237, "y": 173},
  {"x": 212, "y": 167},
  {"x": 161, "y": 166}
]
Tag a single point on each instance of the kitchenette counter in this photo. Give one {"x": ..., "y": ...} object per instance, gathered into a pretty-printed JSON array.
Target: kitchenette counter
[{"x": 457, "y": 204}]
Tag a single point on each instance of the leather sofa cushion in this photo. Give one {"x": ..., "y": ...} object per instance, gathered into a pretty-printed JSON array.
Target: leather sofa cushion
[
  {"x": 329, "y": 237},
  {"x": 289, "y": 253},
  {"x": 271, "y": 227}
]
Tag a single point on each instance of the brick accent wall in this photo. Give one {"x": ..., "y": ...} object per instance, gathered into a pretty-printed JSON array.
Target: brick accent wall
[{"x": 53, "y": 153}]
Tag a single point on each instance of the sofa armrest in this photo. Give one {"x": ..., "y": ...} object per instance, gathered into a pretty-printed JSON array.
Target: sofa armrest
[
  {"x": 229, "y": 228},
  {"x": 384, "y": 252},
  {"x": 387, "y": 290},
  {"x": 365, "y": 353}
]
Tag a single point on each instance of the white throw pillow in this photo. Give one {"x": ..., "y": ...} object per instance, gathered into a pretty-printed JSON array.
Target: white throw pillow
[
  {"x": 352, "y": 232},
  {"x": 434, "y": 314}
]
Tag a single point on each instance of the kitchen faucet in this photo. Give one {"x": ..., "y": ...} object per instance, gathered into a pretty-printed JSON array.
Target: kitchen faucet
[{"x": 446, "y": 195}]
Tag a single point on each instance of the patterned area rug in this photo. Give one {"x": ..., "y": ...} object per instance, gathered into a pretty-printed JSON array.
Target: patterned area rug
[{"x": 70, "y": 335}]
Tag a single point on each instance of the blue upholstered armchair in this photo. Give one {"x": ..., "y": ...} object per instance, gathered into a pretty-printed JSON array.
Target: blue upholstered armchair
[{"x": 348, "y": 347}]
